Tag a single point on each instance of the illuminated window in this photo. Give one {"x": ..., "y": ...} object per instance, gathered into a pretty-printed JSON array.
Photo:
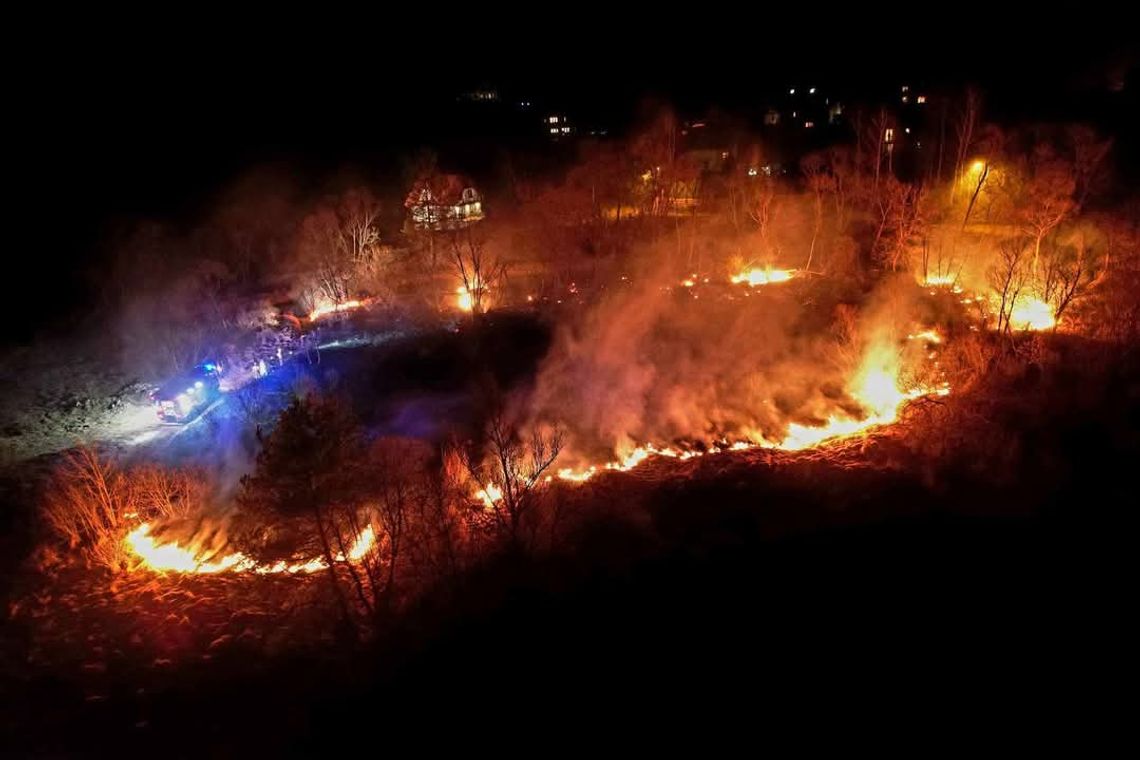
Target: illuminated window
[
  {"x": 905, "y": 88},
  {"x": 554, "y": 130},
  {"x": 920, "y": 99},
  {"x": 809, "y": 124},
  {"x": 889, "y": 135},
  {"x": 566, "y": 130},
  {"x": 553, "y": 120},
  {"x": 905, "y": 99}
]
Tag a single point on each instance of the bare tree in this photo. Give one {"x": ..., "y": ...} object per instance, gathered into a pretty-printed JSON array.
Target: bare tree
[
  {"x": 509, "y": 473},
  {"x": 401, "y": 486},
  {"x": 819, "y": 182},
  {"x": 1008, "y": 277},
  {"x": 764, "y": 209},
  {"x": 87, "y": 506},
  {"x": 843, "y": 168},
  {"x": 479, "y": 271},
  {"x": 1068, "y": 274},
  {"x": 980, "y": 181},
  {"x": 91, "y": 503},
  {"x": 1089, "y": 152},
  {"x": 902, "y": 217},
  {"x": 881, "y": 124},
  {"x": 340, "y": 241},
  {"x": 1046, "y": 197},
  {"x": 968, "y": 119}
]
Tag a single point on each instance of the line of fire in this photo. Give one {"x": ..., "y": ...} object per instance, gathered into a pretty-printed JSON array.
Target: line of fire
[{"x": 568, "y": 398}]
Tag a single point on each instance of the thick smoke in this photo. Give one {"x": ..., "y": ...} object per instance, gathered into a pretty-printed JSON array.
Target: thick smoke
[{"x": 659, "y": 362}]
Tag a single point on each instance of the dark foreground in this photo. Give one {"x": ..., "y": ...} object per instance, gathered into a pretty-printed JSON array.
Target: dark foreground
[{"x": 971, "y": 567}]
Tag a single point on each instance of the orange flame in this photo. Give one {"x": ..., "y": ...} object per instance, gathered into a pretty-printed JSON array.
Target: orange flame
[
  {"x": 930, "y": 336},
  {"x": 1031, "y": 313},
  {"x": 333, "y": 308},
  {"x": 465, "y": 296},
  {"x": 172, "y": 558},
  {"x": 766, "y": 276},
  {"x": 875, "y": 387},
  {"x": 489, "y": 496}
]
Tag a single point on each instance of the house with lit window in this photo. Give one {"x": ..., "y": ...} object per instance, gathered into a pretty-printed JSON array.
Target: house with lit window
[
  {"x": 557, "y": 125},
  {"x": 443, "y": 202}
]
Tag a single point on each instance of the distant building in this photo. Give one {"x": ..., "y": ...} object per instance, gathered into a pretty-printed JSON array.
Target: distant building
[
  {"x": 443, "y": 202},
  {"x": 481, "y": 95},
  {"x": 558, "y": 125}
]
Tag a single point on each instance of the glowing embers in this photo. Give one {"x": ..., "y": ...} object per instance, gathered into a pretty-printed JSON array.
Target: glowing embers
[
  {"x": 170, "y": 557},
  {"x": 762, "y": 276}
]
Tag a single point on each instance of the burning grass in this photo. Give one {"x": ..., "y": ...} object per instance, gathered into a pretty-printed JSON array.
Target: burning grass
[{"x": 757, "y": 276}]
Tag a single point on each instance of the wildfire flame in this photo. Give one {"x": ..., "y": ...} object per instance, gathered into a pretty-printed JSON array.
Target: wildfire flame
[
  {"x": 766, "y": 276},
  {"x": 489, "y": 496},
  {"x": 464, "y": 300},
  {"x": 465, "y": 296},
  {"x": 173, "y": 558},
  {"x": 333, "y": 308},
  {"x": 1031, "y": 313},
  {"x": 875, "y": 387},
  {"x": 930, "y": 336}
]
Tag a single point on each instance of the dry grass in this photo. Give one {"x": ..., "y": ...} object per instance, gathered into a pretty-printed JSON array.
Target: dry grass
[{"x": 91, "y": 504}]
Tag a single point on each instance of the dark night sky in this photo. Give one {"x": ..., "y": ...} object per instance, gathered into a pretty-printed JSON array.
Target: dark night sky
[{"x": 123, "y": 118}]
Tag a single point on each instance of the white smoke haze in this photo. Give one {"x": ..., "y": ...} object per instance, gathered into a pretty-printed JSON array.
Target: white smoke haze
[{"x": 652, "y": 363}]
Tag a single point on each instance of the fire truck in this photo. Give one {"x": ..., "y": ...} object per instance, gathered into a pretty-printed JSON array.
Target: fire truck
[{"x": 183, "y": 398}]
